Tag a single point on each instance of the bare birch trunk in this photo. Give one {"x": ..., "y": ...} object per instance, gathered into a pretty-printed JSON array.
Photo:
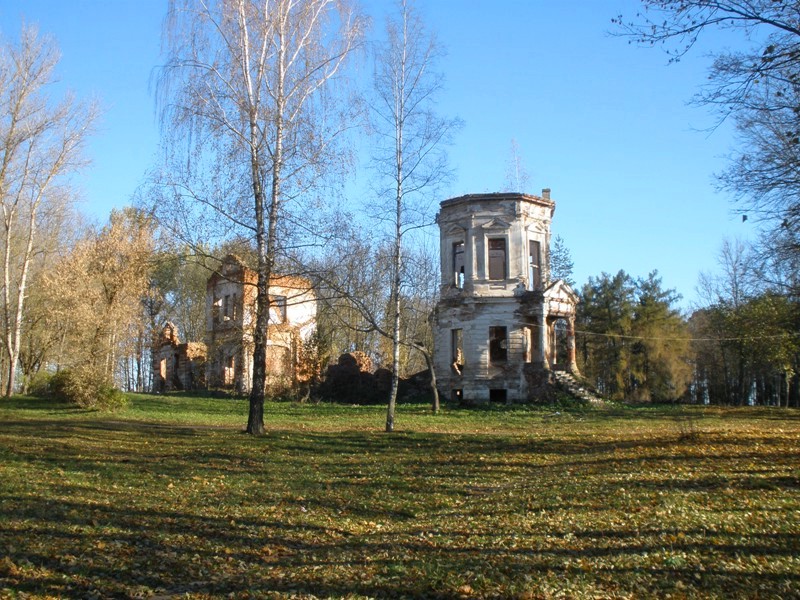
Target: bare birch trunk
[
  {"x": 7, "y": 343},
  {"x": 41, "y": 142},
  {"x": 405, "y": 86},
  {"x": 397, "y": 263},
  {"x": 254, "y": 72},
  {"x": 13, "y": 331},
  {"x": 266, "y": 243}
]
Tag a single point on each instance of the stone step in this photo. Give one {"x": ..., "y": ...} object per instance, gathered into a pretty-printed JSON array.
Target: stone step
[{"x": 572, "y": 386}]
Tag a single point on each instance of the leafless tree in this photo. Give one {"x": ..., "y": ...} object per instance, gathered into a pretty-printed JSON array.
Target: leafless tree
[
  {"x": 354, "y": 283},
  {"x": 409, "y": 156},
  {"x": 247, "y": 94},
  {"x": 41, "y": 140},
  {"x": 517, "y": 177},
  {"x": 758, "y": 86},
  {"x": 736, "y": 280},
  {"x": 772, "y": 60}
]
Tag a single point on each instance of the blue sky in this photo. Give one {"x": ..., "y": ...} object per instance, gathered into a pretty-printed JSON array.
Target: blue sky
[{"x": 606, "y": 125}]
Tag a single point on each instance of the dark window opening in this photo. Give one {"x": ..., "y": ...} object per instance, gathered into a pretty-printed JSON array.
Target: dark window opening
[
  {"x": 458, "y": 264},
  {"x": 560, "y": 341},
  {"x": 216, "y": 310},
  {"x": 457, "y": 344},
  {"x": 497, "y": 396},
  {"x": 535, "y": 265},
  {"x": 497, "y": 258},
  {"x": 498, "y": 344}
]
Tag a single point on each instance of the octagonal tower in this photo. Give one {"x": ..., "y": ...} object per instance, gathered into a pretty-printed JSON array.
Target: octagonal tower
[{"x": 495, "y": 322}]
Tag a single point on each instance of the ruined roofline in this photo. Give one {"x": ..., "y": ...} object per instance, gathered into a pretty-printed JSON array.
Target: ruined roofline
[
  {"x": 247, "y": 276},
  {"x": 543, "y": 200}
]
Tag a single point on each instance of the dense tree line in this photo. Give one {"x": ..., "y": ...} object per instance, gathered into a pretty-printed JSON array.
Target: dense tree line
[
  {"x": 742, "y": 346},
  {"x": 746, "y": 332}
]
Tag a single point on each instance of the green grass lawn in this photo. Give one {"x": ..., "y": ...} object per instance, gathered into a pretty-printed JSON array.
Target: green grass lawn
[{"x": 168, "y": 499}]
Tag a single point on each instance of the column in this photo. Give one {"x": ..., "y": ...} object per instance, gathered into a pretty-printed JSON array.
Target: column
[
  {"x": 572, "y": 363},
  {"x": 469, "y": 257},
  {"x": 544, "y": 338}
]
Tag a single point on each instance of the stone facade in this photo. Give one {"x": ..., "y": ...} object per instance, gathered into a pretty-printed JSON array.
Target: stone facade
[
  {"x": 496, "y": 320},
  {"x": 177, "y": 366},
  {"x": 230, "y": 322}
]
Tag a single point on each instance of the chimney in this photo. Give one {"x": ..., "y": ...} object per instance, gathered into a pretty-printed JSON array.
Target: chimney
[{"x": 546, "y": 193}]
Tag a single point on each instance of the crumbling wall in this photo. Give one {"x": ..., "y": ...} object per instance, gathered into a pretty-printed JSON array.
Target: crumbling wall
[
  {"x": 493, "y": 327},
  {"x": 230, "y": 321},
  {"x": 478, "y": 373},
  {"x": 352, "y": 379},
  {"x": 177, "y": 366}
]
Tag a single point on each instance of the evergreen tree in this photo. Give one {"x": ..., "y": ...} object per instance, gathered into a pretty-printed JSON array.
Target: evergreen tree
[
  {"x": 634, "y": 344},
  {"x": 561, "y": 265}
]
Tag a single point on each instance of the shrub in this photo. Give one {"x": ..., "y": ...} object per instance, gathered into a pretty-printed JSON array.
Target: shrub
[
  {"x": 39, "y": 384},
  {"x": 86, "y": 387}
]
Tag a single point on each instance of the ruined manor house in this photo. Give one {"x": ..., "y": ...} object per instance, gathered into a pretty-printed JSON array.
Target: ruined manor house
[
  {"x": 496, "y": 323},
  {"x": 226, "y": 359},
  {"x": 503, "y": 330}
]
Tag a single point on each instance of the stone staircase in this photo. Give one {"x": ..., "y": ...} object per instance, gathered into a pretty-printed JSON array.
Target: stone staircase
[{"x": 570, "y": 384}]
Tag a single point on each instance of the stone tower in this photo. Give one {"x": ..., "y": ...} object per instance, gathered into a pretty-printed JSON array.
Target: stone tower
[{"x": 495, "y": 322}]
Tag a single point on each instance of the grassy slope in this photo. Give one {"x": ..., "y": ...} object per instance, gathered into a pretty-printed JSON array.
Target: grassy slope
[{"x": 168, "y": 499}]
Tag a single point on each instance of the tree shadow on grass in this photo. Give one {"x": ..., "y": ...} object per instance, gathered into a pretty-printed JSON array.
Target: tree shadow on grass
[
  {"x": 82, "y": 549},
  {"x": 171, "y": 450},
  {"x": 305, "y": 527}
]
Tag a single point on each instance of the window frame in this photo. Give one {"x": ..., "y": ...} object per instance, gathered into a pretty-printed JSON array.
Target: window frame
[
  {"x": 278, "y": 307},
  {"x": 458, "y": 276},
  {"x": 536, "y": 281},
  {"x": 489, "y": 271},
  {"x": 498, "y": 344}
]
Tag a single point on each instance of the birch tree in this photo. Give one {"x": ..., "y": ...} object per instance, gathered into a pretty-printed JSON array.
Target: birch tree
[
  {"x": 248, "y": 104},
  {"x": 357, "y": 307},
  {"x": 410, "y": 158},
  {"x": 517, "y": 176},
  {"x": 41, "y": 139}
]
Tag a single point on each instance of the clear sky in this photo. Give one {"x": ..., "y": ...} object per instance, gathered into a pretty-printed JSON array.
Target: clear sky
[{"x": 606, "y": 125}]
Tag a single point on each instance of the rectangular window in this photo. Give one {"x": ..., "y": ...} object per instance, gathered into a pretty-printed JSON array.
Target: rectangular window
[
  {"x": 535, "y": 265},
  {"x": 229, "y": 371},
  {"x": 226, "y": 308},
  {"x": 497, "y": 258},
  {"x": 277, "y": 309},
  {"x": 532, "y": 349},
  {"x": 457, "y": 345},
  {"x": 528, "y": 344},
  {"x": 458, "y": 264},
  {"x": 497, "y": 396},
  {"x": 216, "y": 310},
  {"x": 498, "y": 344}
]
